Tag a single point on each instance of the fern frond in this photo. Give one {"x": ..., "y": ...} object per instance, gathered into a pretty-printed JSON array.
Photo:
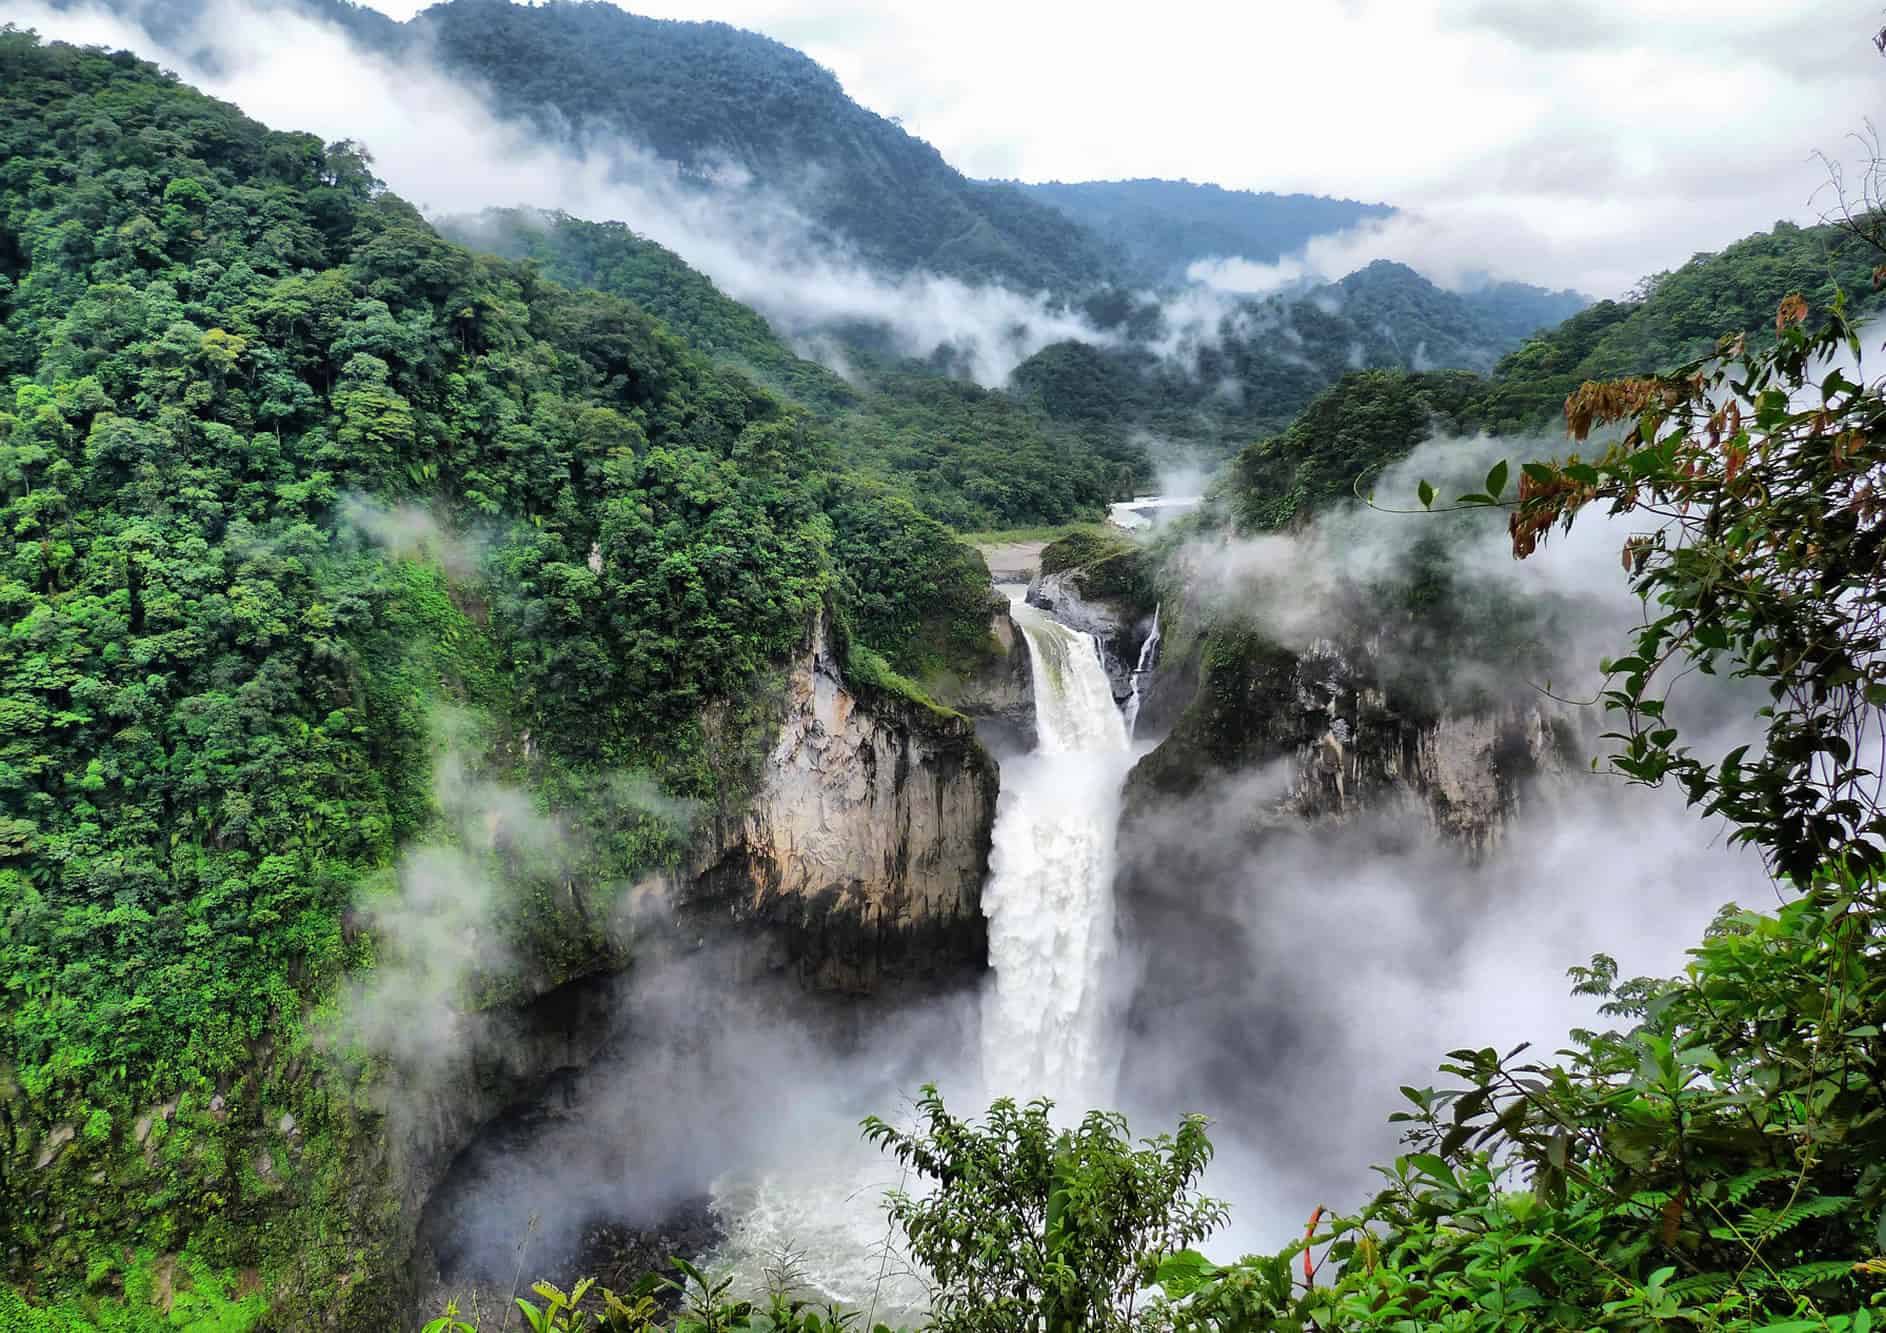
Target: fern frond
[
  {"x": 1767, "y": 1223},
  {"x": 1739, "y": 1189},
  {"x": 1706, "y": 1286}
]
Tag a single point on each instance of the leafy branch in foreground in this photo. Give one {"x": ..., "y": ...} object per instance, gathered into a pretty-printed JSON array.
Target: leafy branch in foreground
[{"x": 1761, "y": 480}]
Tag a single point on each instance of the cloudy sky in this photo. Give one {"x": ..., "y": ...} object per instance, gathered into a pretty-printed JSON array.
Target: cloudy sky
[{"x": 1578, "y": 141}]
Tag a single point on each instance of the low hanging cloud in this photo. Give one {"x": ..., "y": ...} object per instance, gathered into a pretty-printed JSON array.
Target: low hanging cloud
[
  {"x": 1293, "y": 973},
  {"x": 437, "y": 142},
  {"x": 1459, "y": 249},
  {"x": 1627, "y": 134}
]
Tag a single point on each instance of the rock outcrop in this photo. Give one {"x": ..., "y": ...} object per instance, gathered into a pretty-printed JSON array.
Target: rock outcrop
[
  {"x": 858, "y": 863},
  {"x": 1000, "y": 698},
  {"x": 1292, "y": 786},
  {"x": 1341, "y": 743},
  {"x": 850, "y": 863},
  {"x": 1099, "y": 586}
]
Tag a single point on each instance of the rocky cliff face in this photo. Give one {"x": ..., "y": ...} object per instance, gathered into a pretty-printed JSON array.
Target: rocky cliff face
[
  {"x": 1285, "y": 775},
  {"x": 858, "y": 864},
  {"x": 1000, "y": 699},
  {"x": 1340, "y": 742},
  {"x": 1107, "y": 599},
  {"x": 855, "y": 865}
]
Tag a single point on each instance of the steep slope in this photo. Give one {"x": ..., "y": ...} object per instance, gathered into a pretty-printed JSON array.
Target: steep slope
[
  {"x": 722, "y": 104},
  {"x": 968, "y": 456},
  {"x": 1243, "y": 368},
  {"x": 1680, "y": 315},
  {"x": 373, "y": 616},
  {"x": 1519, "y": 309},
  {"x": 1228, "y": 680},
  {"x": 610, "y": 257},
  {"x": 707, "y": 94},
  {"x": 1163, "y": 227},
  {"x": 1392, "y": 303}
]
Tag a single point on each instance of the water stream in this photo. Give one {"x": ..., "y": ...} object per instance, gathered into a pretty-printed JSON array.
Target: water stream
[
  {"x": 1046, "y": 1026},
  {"x": 1049, "y": 899},
  {"x": 1148, "y": 659}
]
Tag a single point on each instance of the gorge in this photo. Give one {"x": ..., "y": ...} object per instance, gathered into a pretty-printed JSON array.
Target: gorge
[
  {"x": 511, "y": 756},
  {"x": 1351, "y": 802}
]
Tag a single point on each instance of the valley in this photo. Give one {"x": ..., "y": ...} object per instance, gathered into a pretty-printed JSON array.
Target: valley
[{"x": 602, "y": 649}]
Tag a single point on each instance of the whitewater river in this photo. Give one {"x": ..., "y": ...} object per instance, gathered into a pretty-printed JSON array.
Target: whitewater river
[{"x": 1045, "y": 1026}]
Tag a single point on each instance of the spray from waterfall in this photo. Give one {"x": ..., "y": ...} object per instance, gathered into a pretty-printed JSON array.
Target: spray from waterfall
[
  {"x": 1048, "y": 1026},
  {"x": 1049, "y": 900}
]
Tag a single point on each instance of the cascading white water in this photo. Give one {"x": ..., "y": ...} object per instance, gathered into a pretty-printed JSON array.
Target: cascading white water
[
  {"x": 1046, "y": 1025},
  {"x": 1049, "y": 900},
  {"x": 1148, "y": 659}
]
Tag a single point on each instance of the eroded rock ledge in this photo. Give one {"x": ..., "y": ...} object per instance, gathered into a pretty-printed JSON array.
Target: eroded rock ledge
[
  {"x": 1339, "y": 743},
  {"x": 858, "y": 864}
]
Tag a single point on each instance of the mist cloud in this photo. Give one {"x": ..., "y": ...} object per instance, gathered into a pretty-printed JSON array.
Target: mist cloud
[
  {"x": 436, "y": 142},
  {"x": 1294, "y": 973},
  {"x": 1627, "y": 134}
]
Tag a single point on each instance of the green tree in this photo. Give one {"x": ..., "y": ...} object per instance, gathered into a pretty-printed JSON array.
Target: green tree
[{"x": 1027, "y": 1226}]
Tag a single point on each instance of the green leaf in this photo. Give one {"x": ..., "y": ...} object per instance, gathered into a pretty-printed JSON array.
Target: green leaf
[
  {"x": 1181, "y": 1274},
  {"x": 1496, "y": 479},
  {"x": 1426, "y": 492}
]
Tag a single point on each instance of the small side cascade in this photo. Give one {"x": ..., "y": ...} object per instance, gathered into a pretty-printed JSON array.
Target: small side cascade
[{"x": 1148, "y": 659}]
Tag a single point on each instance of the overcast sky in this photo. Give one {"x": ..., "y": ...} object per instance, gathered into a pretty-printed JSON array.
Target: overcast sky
[{"x": 1584, "y": 141}]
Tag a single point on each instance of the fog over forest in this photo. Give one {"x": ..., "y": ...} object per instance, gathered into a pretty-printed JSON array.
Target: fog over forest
[{"x": 833, "y": 667}]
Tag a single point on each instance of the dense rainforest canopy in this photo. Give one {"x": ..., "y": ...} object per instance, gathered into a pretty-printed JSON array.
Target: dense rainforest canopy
[
  {"x": 731, "y": 114},
  {"x": 705, "y": 94},
  {"x": 239, "y": 374},
  {"x": 292, "y": 484},
  {"x": 1370, "y": 418},
  {"x": 970, "y": 457},
  {"x": 1221, "y": 372}
]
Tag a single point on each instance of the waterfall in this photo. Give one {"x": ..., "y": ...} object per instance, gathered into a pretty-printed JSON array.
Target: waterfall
[
  {"x": 1148, "y": 659},
  {"x": 1046, "y": 1028}
]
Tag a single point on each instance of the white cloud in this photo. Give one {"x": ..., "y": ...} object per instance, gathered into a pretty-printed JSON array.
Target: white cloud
[
  {"x": 435, "y": 142},
  {"x": 1602, "y": 141},
  {"x": 1615, "y": 140}
]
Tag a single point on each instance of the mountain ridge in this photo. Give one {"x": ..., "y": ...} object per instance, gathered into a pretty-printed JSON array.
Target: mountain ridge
[{"x": 1161, "y": 227}]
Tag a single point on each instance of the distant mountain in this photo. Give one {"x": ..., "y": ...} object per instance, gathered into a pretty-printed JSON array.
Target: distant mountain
[
  {"x": 1161, "y": 227},
  {"x": 717, "y": 101},
  {"x": 1262, "y": 360},
  {"x": 1371, "y": 418},
  {"x": 707, "y": 94},
  {"x": 1519, "y": 310},
  {"x": 1451, "y": 329}
]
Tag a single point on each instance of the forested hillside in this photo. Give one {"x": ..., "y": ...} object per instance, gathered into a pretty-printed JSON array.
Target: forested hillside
[
  {"x": 1250, "y": 365},
  {"x": 610, "y": 257},
  {"x": 702, "y": 94},
  {"x": 970, "y": 457},
  {"x": 1204, "y": 371},
  {"x": 241, "y": 376},
  {"x": 1163, "y": 227},
  {"x": 1369, "y": 419},
  {"x": 1680, "y": 314}
]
